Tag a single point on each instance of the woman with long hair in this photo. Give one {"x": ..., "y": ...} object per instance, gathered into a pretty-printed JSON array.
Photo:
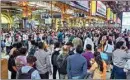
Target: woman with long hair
[{"x": 98, "y": 67}]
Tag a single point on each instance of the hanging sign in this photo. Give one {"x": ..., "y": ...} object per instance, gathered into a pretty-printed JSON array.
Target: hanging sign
[{"x": 101, "y": 8}]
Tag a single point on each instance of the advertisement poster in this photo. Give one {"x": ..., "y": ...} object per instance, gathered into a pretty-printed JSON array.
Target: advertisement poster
[
  {"x": 101, "y": 8},
  {"x": 83, "y": 4}
]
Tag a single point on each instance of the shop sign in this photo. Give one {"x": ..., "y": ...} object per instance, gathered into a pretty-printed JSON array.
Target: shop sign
[
  {"x": 45, "y": 15},
  {"x": 57, "y": 15},
  {"x": 101, "y": 8},
  {"x": 79, "y": 15}
]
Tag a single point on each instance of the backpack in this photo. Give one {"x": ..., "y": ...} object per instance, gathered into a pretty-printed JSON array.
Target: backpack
[
  {"x": 25, "y": 75},
  {"x": 62, "y": 64},
  {"x": 10, "y": 61},
  {"x": 54, "y": 57},
  {"x": 104, "y": 56},
  {"x": 32, "y": 50},
  {"x": 38, "y": 39}
]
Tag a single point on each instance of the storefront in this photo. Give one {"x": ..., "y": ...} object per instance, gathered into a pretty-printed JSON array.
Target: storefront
[{"x": 80, "y": 12}]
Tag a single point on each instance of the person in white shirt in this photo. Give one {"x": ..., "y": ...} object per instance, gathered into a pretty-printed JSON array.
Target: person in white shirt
[
  {"x": 108, "y": 49},
  {"x": 88, "y": 40}
]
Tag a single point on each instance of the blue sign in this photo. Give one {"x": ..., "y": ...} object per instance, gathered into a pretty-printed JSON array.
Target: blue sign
[{"x": 78, "y": 4}]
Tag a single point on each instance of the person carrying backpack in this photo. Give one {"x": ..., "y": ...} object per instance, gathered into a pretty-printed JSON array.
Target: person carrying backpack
[
  {"x": 33, "y": 48},
  {"x": 54, "y": 58},
  {"x": 62, "y": 63},
  {"x": 28, "y": 72}
]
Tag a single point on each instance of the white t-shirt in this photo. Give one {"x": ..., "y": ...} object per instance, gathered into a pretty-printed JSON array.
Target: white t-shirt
[
  {"x": 109, "y": 48},
  {"x": 8, "y": 41},
  {"x": 25, "y": 37},
  {"x": 89, "y": 41}
]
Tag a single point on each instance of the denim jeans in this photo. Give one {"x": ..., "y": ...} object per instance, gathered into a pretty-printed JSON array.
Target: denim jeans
[{"x": 118, "y": 73}]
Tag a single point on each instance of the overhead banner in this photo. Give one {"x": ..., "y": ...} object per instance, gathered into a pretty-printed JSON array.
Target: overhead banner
[
  {"x": 108, "y": 13},
  {"x": 100, "y": 8},
  {"x": 93, "y": 7},
  {"x": 82, "y": 5}
]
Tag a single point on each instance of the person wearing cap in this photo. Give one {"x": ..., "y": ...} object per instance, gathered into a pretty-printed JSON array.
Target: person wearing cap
[{"x": 25, "y": 69}]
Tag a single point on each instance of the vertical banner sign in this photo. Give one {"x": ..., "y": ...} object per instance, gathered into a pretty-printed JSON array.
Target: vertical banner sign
[
  {"x": 93, "y": 7},
  {"x": 114, "y": 17},
  {"x": 108, "y": 13},
  {"x": 111, "y": 15}
]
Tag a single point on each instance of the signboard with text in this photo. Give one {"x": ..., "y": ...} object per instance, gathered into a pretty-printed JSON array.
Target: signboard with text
[
  {"x": 101, "y": 8},
  {"x": 84, "y": 5}
]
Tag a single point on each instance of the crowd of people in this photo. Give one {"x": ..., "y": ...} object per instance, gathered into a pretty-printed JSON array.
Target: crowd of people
[{"x": 76, "y": 53}]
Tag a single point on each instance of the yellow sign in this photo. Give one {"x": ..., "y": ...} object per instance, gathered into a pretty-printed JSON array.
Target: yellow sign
[
  {"x": 114, "y": 17},
  {"x": 111, "y": 17},
  {"x": 93, "y": 7},
  {"x": 108, "y": 13}
]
